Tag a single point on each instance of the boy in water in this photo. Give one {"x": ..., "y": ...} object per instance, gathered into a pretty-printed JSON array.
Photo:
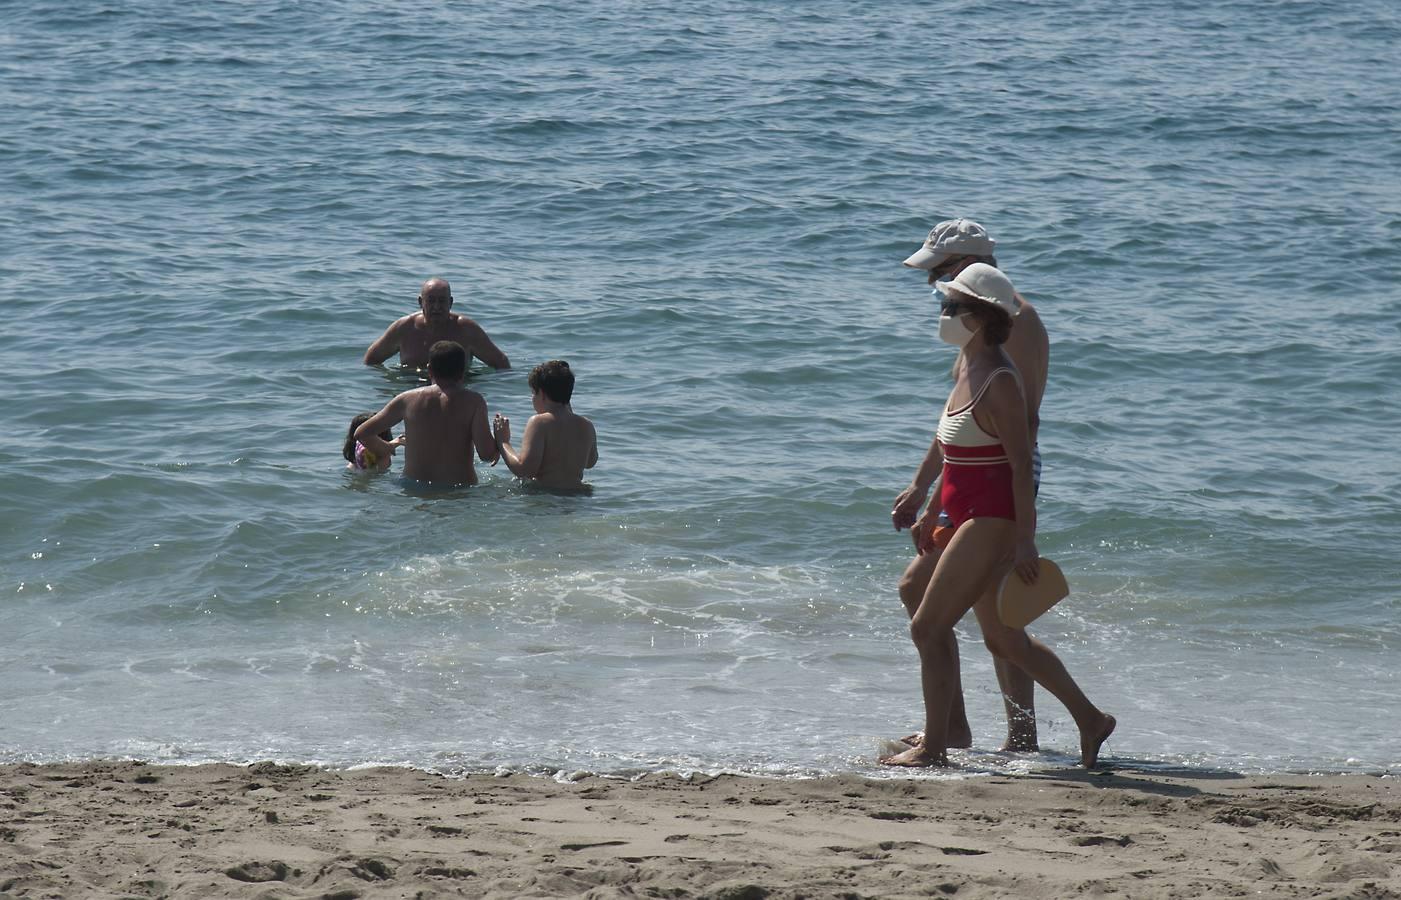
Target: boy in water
[
  {"x": 558, "y": 444},
  {"x": 443, "y": 422}
]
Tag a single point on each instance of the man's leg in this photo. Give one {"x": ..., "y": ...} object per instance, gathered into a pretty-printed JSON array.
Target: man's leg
[
  {"x": 1018, "y": 688},
  {"x": 1038, "y": 661},
  {"x": 1019, "y": 698}
]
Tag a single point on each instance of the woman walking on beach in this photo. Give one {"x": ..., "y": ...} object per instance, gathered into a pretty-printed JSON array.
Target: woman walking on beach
[{"x": 986, "y": 490}]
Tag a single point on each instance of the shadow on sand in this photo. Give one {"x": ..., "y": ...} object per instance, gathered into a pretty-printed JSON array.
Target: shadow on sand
[{"x": 1147, "y": 777}]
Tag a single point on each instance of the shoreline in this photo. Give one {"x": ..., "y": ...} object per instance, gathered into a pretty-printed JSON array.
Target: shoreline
[{"x": 268, "y": 830}]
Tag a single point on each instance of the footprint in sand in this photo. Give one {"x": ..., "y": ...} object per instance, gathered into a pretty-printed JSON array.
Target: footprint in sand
[
  {"x": 372, "y": 870},
  {"x": 258, "y": 872},
  {"x": 1101, "y": 840},
  {"x": 588, "y": 846}
]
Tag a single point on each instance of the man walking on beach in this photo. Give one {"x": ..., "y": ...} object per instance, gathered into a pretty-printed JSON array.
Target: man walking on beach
[
  {"x": 411, "y": 336},
  {"x": 951, "y": 247},
  {"x": 443, "y": 423}
]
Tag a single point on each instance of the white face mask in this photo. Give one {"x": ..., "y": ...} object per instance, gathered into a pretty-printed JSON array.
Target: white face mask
[{"x": 953, "y": 331}]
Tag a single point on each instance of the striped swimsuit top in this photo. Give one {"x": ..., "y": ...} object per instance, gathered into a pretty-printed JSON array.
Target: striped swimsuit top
[{"x": 962, "y": 441}]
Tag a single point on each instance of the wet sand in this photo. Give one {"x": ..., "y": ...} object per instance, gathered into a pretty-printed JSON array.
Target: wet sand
[{"x": 131, "y": 830}]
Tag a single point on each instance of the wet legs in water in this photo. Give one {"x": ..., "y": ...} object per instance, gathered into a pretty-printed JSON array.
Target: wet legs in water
[
  {"x": 963, "y": 577},
  {"x": 1018, "y": 689}
]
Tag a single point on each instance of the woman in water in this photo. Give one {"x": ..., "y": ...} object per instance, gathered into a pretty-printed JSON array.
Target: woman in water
[{"x": 986, "y": 490}]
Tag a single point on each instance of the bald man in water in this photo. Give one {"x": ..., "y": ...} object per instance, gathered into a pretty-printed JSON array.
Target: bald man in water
[{"x": 413, "y": 335}]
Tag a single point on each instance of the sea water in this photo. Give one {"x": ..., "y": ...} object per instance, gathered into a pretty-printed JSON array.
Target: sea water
[{"x": 208, "y": 211}]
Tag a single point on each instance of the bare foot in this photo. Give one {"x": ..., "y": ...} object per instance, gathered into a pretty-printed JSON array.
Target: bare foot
[
  {"x": 1091, "y": 741},
  {"x": 916, "y": 758},
  {"x": 960, "y": 739}
]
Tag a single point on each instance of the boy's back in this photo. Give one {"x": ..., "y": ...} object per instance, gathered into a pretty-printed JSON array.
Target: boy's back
[{"x": 570, "y": 446}]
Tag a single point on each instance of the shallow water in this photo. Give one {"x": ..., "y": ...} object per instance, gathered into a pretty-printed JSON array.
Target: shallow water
[{"x": 211, "y": 212}]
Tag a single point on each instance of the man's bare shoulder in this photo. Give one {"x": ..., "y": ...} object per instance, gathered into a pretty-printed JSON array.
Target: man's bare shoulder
[
  {"x": 432, "y": 397},
  {"x": 466, "y": 324},
  {"x": 418, "y": 394},
  {"x": 1026, "y": 311},
  {"x": 466, "y": 397}
]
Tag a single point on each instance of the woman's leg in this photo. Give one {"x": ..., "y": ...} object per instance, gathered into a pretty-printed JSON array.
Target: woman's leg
[
  {"x": 1037, "y": 660},
  {"x": 964, "y": 572},
  {"x": 913, "y": 584}
]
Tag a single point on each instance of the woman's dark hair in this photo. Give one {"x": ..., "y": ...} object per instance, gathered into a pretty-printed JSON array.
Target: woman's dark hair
[
  {"x": 554, "y": 378},
  {"x": 996, "y": 322},
  {"x": 349, "y": 451}
]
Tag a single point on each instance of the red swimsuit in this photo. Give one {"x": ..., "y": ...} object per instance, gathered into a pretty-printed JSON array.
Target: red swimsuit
[{"x": 977, "y": 479}]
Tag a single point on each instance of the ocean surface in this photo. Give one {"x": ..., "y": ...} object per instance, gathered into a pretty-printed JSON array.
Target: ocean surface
[{"x": 208, "y": 211}]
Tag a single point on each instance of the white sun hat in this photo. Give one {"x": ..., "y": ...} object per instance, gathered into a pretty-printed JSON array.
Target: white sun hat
[{"x": 983, "y": 282}]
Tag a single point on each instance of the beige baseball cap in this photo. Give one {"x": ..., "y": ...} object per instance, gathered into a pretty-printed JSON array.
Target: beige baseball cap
[{"x": 954, "y": 237}]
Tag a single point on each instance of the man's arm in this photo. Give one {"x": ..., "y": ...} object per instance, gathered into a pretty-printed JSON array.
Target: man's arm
[
  {"x": 1030, "y": 349},
  {"x": 593, "y": 448},
  {"x": 385, "y": 347},
  {"x": 385, "y": 419},
  {"x": 482, "y": 348},
  {"x": 1007, "y": 405},
  {"x": 487, "y": 449}
]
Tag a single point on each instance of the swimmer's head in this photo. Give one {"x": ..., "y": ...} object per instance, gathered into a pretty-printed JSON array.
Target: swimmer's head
[
  {"x": 447, "y": 361},
  {"x": 361, "y": 419},
  {"x": 554, "y": 378},
  {"x": 435, "y": 298}
]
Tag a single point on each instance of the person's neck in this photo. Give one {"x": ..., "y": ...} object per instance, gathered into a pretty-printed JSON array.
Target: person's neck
[
  {"x": 446, "y": 386},
  {"x": 551, "y": 406},
  {"x": 976, "y": 346}
]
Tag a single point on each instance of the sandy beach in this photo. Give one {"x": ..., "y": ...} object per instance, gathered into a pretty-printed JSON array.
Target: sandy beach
[{"x": 132, "y": 830}]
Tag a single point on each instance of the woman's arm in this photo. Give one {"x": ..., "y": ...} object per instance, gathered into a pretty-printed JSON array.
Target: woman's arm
[{"x": 907, "y": 505}]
